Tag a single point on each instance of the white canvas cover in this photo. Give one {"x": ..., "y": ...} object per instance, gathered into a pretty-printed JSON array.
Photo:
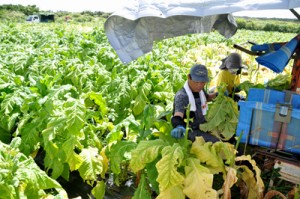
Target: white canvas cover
[{"x": 132, "y": 30}]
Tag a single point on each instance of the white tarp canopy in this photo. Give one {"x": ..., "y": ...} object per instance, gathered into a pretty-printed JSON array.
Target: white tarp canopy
[{"x": 132, "y": 30}]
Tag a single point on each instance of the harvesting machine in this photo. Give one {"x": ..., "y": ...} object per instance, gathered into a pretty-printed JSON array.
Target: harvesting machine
[{"x": 269, "y": 120}]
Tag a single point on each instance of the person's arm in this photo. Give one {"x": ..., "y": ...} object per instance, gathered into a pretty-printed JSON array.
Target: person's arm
[
  {"x": 180, "y": 104},
  {"x": 179, "y": 126},
  {"x": 177, "y": 120},
  {"x": 211, "y": 96}
]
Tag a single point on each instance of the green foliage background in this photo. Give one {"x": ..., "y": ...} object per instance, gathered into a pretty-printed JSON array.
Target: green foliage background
[{"x": 18, "y": 13}]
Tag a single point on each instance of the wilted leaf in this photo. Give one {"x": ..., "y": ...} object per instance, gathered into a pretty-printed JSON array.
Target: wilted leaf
[
  {"x": 252, "y": 179},
  {"x": 230, "y": 180}
]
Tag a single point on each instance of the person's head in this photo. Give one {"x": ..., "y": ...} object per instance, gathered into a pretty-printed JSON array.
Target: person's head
[
  {"x": 198, "y": 77},
  {"x": 232, "y": 63}
]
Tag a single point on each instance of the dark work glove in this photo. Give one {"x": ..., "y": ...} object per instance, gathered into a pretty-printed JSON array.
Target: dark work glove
[{"x": 178, "y": 132}]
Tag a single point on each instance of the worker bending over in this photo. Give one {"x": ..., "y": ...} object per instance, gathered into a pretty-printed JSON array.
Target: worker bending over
[{"x": 192, "y": 93}]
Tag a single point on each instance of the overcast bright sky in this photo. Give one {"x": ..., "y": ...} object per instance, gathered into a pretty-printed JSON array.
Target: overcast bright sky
[
  {"x": 70, "y": 5},
  {"x": 112, "y": 5}
]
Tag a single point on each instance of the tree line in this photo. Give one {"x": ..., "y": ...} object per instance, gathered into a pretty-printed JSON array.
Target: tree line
[
  {"x": 27, "y": 10},
  {"x": 18, "y": 13},
  {"x": 270, "y": 25}
]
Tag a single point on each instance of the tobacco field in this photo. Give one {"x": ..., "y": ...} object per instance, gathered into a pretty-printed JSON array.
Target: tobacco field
[{"x": 72, "y": 113}]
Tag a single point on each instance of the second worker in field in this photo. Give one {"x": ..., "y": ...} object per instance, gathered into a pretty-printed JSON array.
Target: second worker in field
[{"x": 229, "y": 74}]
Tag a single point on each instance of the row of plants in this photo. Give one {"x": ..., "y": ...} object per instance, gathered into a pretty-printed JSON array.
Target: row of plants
[{"x": 72, "y": 106}]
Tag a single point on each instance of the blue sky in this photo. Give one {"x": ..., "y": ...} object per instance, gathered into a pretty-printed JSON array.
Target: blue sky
[{"x": 112, "y": 5}]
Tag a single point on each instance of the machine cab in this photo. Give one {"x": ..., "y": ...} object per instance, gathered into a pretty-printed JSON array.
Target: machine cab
[{"x": 33, "y": 18}]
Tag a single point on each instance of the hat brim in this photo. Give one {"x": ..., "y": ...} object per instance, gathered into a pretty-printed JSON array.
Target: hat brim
[
  {"x": 239, "y": 67},
  {"x": 223, "y": 66},
  {"x": 230, "y": 65}
]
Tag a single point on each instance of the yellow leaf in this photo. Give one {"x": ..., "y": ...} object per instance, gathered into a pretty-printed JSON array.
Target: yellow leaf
[
  {"x": 198, "y": 181},
  {"x": 174, "y": 192},
  {"x": 206, "y": 153},
  {"x": 168, "y": 176},
  {"x": 104, "y": 162}
]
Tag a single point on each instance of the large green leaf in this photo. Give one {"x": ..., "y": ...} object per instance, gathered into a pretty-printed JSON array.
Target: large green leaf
[
  {"x": 91, "y": 167},
  {"x": 149, "y": 116},
  {"x": 142, "y": 190},
  {"x": 100, "y": 101},
  {"x": 99, "y": 190},
  {"x": 139, "y": 104},
  {"x": 142, "y": 99},
  {"x": 152, "y": 175},
  {"x": 30, "y": 138},
  {"x": 222, "y": 117},
  {"x": 10, "y": 102},
  {"x": 145, "y": 152},
  {"x": 117, "y": 152},
  {"x": 20, "y": 176},
  {"x": 75, "y": 116},
  {"x": 54, "y": 159},
  {"x": 162, "y": 96},
  {"x": 5, "y": 136},
  {"x": 73, "y": 159},
  {"x": 129, "y": 125}
]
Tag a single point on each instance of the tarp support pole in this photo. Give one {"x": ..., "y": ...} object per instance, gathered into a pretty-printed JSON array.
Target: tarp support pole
[{"x": 295, "y": 13}]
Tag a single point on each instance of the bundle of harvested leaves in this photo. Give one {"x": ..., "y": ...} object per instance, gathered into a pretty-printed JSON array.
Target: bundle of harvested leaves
[{"x": 222, "y": 116}]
